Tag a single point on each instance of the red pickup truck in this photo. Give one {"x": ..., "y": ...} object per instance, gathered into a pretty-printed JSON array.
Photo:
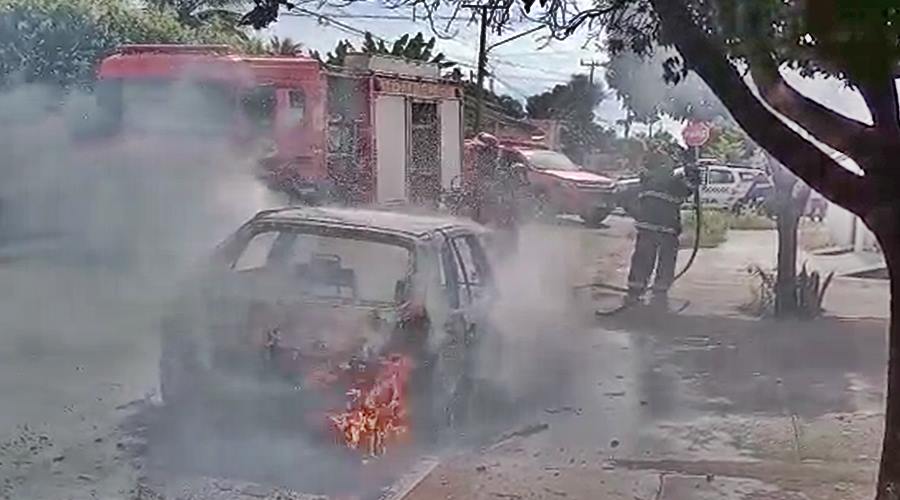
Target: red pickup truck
[{"x": 562, "y": 187}]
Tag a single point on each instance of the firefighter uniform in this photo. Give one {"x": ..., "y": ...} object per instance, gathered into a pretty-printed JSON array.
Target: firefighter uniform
[
  {"x": 658, "y": 224},
  {"x": 485, "y": 164}
]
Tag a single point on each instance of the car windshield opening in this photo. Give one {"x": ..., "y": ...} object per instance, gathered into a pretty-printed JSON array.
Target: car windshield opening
[
  {"x": 359, "y": 269},
  {"x": 549, "y": 160}
]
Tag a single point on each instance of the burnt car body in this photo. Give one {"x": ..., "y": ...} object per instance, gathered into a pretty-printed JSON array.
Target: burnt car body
[{"x": 354, "y": 325}]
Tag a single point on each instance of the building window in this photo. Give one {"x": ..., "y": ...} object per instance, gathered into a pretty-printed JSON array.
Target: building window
[{"x": 296, "y": 106}]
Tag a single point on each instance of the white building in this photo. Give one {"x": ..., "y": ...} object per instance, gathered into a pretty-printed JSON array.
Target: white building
[{"x": 849, "y": 231}]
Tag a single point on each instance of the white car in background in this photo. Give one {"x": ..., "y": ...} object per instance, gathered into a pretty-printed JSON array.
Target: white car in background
[{"x": 722, "y": 186}]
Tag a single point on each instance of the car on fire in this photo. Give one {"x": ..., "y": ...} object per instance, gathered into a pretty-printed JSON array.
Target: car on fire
[
  {"x": 559, "y": 186},
  {"x": 358, "y": 326}
]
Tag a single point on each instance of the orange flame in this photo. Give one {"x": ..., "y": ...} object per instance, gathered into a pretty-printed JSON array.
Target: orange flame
[{"x": 378, "y": 413}]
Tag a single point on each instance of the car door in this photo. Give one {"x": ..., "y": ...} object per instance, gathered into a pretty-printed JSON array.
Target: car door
[
  {"x": 469, "y": 280},
  {"x": 719, "y": 189}
]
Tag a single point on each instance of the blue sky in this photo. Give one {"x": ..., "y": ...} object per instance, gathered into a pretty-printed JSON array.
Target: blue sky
[{"x": 521, "y": 67}]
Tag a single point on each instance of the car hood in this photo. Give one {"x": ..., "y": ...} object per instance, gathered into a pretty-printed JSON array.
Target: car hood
[{"x": 579, "y": 176}]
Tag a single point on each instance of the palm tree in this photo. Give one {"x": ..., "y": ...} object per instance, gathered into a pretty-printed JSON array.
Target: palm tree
[
  {"x": 284, "y": 47},
  {"x": 415, "y": 48},
  {"x": 255, "y": 46}
]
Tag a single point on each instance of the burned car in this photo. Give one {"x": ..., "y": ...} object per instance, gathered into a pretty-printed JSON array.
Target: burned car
[{"x": 354, "y": 325}]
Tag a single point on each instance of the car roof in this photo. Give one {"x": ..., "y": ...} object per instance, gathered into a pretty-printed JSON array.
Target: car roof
[{"x": 382, "y": 221}]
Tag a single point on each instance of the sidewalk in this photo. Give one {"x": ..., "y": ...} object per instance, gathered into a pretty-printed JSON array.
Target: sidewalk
[{"x": 718, "y": 283}]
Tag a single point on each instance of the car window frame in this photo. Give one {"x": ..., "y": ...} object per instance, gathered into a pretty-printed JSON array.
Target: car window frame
[
  {"x": 479, "y": 260},
  {"x": 724, "y": 171},
  {"x": 448, "y": 269}
]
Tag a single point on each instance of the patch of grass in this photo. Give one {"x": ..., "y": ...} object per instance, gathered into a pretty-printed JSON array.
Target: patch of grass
[
  {"x": 751, "y": 222},
  {"x": 814, "y": 235},
  {"x": 713, "y": 231}
]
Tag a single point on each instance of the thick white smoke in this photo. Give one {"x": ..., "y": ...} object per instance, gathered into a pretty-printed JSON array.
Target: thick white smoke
[
  {"x": 95, "y": 236},
  {"x": 145, "y": 203}
]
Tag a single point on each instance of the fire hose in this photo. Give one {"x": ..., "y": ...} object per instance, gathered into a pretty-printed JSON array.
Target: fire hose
[{"x": 698, "y": 212}]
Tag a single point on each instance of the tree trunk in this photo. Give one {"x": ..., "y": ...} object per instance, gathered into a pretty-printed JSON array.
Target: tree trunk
[
  {"x": 886, "y": 225},
  {"x": 790, "y": 200},
  {"x": 786, "y": 282}
]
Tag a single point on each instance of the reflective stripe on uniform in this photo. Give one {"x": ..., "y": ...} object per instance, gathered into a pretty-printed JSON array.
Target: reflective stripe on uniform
[
  {"x": 656, "y": 228},
  {"x": 636, "y": 286},
  {"x": 660, "y": 195}
]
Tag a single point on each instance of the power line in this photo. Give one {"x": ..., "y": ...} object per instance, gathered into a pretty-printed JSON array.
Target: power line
[
  {"x": 542, "y": 53},
  {"x": 534, "y": 68},
  {"x": 384, "y": 17},
  {"x": 511, "y": 87},
  {"x": 346, "y": 28}
]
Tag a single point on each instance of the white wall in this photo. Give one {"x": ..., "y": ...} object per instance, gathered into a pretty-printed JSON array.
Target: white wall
[
  {"x": 839, "y": 222},
  {"x": 390, "y": 149},
  {"x": 848, "y": 230}
]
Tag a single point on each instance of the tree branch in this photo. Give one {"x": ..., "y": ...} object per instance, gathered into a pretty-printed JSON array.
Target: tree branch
[
  {"x": 808, "y": 162},
  {"x": 842, "y": 133},
  {"x": 881, "y": 99}
]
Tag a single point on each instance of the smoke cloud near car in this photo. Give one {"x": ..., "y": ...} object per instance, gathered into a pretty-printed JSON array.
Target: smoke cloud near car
[{"x": 105, "y": 232}]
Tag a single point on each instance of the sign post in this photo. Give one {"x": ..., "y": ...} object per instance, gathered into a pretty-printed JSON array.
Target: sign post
[{"x": 695, "y": 135}]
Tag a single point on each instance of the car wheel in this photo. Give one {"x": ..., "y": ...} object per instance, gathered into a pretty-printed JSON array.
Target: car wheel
[
  {"x": 178, "y": 376},
  {"x": 544, "y": 208},
  {"x": 441, "y": 403},
  {"x": 172, "y": 375},
  {"x": 596, "y": 217}
]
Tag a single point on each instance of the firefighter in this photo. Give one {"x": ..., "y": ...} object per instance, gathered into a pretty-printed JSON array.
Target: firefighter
[
  {"x": 658, "y": 224},
  {"x": 485, "y": 166}
]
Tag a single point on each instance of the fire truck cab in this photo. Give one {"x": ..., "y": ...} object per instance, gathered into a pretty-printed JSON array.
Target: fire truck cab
[{"x": 377, "y": 130}]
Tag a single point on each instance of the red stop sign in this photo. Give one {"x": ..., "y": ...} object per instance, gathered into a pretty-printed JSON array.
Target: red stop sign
[{"x": 695, "y": 134}]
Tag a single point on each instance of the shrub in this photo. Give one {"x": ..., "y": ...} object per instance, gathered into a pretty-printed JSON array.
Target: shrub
[
  {"x": 809, "y": 289},
  {"x": 59, "y": 42},
  {"x": 751, "y": 221},
  {"x": 713, "y": 231}
]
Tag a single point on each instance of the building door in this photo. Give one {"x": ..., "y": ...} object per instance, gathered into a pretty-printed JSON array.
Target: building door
[
  {"x": 423, "y": 165},
  {"x": 390, "y": 166}
]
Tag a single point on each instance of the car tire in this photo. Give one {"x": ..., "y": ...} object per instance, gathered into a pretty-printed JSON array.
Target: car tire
[
  {"x": 178, "y": 370},
  {"x": 541, "y": 206},
  {"x": 172, "y": 375},
  {"x": 440, "y": 413},
  {"x": 596, "y": 217}
]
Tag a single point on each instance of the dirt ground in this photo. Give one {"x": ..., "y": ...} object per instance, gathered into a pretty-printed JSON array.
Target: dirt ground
[
  {"x": 729, "y": 406},
  {"x": 710, "y": 404}
]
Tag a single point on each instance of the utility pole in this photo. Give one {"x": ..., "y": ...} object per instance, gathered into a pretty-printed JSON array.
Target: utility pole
[
  {"x": 592, "y": 65},
  {"x": 483, "y": 49},
  {"x": 482, "y": 60}
]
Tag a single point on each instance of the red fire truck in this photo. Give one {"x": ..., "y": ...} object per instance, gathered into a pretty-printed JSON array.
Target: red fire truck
[
  {"x": 377, "y": 130},
  {"x": 554, "y": 183}
]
